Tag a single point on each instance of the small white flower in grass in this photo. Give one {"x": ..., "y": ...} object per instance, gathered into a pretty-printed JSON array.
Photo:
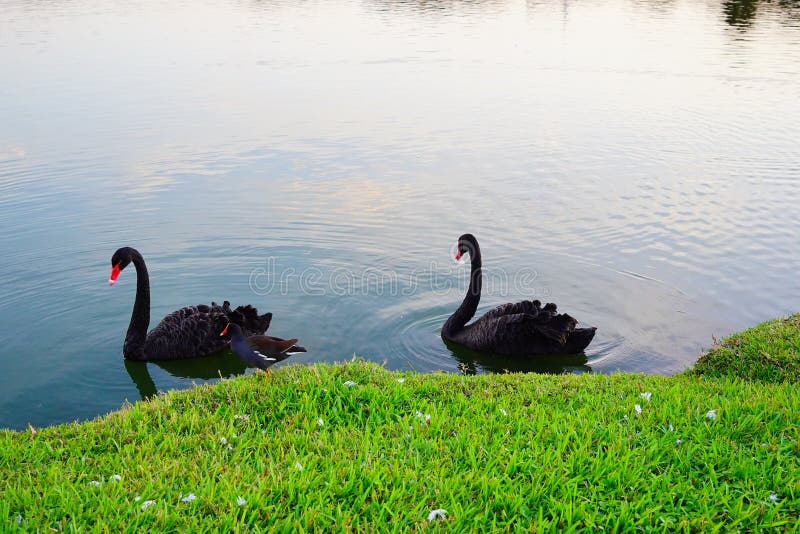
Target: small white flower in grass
[
  {"x": 711, "y": 414},
  {"x": 94, "y": 483},
  {"x": 350, "y": 383},
  {"x": 18, "y": 519},
  {"x": 230, "y": 447},
  {"x": 115, "y": 477},
  {"x": 189, "y": 498},
  {"x": 773, "y": 497},
  {"x": 439, "y": 513},
  {"x": 320, "y": 422},
  {"x": 240, "y": 501},
  {"x": 502, "y": 411},
  {"x": 671, "y": 428},
  {"x": 401, "y": 380},
  {"x": 637, "y": 408},
  {"x": 678, "y": 441},
  {"x": 646, "y": 396},
  {"x": 137, "y": 499},
  {"x": 147, "y": 504},
  {"x": 298, "y": 466},
  {"x": 223, "y": 440}
]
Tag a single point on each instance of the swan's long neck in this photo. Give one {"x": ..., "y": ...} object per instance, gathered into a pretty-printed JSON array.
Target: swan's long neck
[
  {"x": 469, "y": 305},
  {"x": 140, "y": 318}
]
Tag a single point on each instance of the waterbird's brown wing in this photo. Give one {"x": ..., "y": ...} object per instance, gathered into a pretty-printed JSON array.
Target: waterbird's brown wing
[{"x": 273, "y": 345}]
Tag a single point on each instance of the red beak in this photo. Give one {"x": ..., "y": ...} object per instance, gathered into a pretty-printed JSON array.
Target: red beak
[
  {"x": 114, "y": 275},
  {"x": 459, "y": 254},
  {"x": 226, "y": 330}
]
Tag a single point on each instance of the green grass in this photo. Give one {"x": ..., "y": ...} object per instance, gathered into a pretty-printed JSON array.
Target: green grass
[
  {"x": 500, "y": 452},
  {"x": 518, "y": 452},
  {"x": 769, "y": 352}
]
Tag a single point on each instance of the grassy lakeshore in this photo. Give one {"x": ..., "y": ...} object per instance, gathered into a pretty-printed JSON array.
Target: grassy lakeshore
[
  {"x": 769, "y": 352},
  {"x": 353, "y": 447}
]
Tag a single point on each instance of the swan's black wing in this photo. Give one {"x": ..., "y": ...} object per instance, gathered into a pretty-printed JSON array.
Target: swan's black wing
[
  {"x": 248, "y": 318},
  {"x": 530, "y": 307},
  {"x": 546, "y": 332},
  {"x": 194, "y": 331},
  {"x": 187, "y": 333}
]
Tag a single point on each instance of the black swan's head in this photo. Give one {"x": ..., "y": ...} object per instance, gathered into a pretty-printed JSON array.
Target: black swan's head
[
  {"x": 121, "y": 258},
  {"x": 467, "y": 244}
]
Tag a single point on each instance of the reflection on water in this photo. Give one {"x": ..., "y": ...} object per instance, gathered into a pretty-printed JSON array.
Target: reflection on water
[
  {"x": 223, "y": 365},
  {"x": 472, "y": 362},
  {"x": 635, "y": 161},
  {"x": 742, "y": 13}
]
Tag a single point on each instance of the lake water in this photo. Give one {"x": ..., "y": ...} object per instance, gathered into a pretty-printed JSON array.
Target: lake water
[{"x": 636, "y": 162}]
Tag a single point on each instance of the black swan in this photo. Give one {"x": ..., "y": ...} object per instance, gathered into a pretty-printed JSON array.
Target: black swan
[
  {"x": 520, "y": 329},
  {"x": 190, "y": 332},
  {"x": 260, "y": 351}
]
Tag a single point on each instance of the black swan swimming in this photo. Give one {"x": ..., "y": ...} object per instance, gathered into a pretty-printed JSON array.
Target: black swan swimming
[
  {"x": 260, "y": 351},
  {"x": 190, "y": 332},
  {"x": 520, "y": 329}
]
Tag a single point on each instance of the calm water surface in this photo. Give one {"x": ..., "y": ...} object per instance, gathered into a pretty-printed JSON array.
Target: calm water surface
[{"x": 636, "y": 162}]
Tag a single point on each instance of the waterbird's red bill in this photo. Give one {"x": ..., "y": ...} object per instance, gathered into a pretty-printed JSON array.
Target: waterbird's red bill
[
  {"x": 114, "y": 275},
  {"x": 226, "y": 330},
  {"x": 458, "y": 254}
]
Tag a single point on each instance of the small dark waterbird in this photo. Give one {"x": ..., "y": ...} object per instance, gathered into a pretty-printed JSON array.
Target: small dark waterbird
[
  {"x": 260, "y": 351},
  {"x": 516, "y": 329},
  {"x": 185, "y": 333}
]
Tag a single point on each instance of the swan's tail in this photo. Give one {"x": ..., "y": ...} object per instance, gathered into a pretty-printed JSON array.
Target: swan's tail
[
  {"x": 248, "y": 318},
  {"x": 579, "y": 339}
]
